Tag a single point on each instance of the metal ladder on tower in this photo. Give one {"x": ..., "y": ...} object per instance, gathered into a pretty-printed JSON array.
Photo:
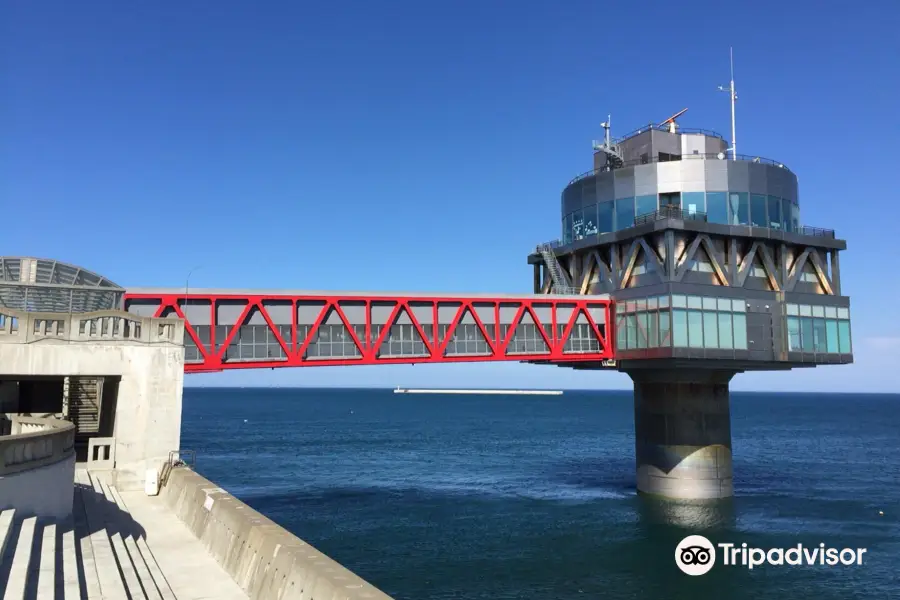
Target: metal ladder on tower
[{"x": 556, "y": 275}]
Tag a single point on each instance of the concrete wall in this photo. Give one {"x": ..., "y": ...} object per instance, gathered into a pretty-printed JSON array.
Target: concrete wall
[
  {"x": 37, "y": 467},
  {"x": 267, "y": 561},
  {"x": 43, "y": 492},
  {"x": 148, "y": 410}
]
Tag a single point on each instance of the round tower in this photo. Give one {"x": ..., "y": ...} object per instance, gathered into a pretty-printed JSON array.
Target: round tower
[{"x": 712, "y": 274}]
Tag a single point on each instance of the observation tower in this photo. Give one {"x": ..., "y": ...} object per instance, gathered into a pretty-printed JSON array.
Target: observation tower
[{"x": 712, "y": 272}]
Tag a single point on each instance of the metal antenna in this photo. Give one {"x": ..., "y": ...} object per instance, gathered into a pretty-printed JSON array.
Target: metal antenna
[{"x": 733, "y": 93}]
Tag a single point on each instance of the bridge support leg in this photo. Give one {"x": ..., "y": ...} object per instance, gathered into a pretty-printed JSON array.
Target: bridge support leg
[{"x": 682, "y": 423}]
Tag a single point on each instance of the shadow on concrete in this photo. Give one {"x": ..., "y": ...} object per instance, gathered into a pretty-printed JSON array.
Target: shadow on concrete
[{"x": 98, "y": 536}]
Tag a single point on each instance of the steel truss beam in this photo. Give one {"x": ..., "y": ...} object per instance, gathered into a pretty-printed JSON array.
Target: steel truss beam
[
  {"x": 610, "y": 267},
  {"x": 296, "y": 327}
]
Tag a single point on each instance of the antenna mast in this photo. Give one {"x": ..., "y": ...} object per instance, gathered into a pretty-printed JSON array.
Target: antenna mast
[{"x": 733, "y": 93}]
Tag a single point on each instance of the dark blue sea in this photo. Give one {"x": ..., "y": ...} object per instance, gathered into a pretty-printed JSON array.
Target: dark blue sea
[{"x": 489, "y": 497}]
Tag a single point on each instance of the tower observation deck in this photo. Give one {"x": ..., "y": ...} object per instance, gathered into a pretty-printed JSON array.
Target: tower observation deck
[{"x": 712, "y": 273}]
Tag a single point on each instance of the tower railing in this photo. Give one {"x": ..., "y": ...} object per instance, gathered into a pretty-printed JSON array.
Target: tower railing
[
  {"x": 655, "y": 159},
  {"x": 669, "y": 212}
]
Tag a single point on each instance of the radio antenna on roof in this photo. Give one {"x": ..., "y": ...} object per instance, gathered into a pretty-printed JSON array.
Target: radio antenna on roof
[{"x": 733, "y": 93}]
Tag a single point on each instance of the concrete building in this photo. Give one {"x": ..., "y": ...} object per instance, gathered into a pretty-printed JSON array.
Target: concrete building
[
  {"x": 95, "y": 501},
  {"x": 712, "y": 273},
  {"x": 67, "y": 352}
]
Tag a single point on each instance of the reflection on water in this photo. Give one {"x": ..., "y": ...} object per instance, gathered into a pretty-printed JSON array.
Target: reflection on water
[{"x": 695, "y": 515}]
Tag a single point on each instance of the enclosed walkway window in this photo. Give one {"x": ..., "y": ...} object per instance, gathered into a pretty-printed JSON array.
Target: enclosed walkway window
[
  {"x": 712, "y": 323},
  {"x": 818, "y": 329},
  {"x": 681, "y": 322}
]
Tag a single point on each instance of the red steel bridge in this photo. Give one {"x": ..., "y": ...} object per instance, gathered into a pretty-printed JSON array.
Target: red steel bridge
[{"x": 233, "y": 329}]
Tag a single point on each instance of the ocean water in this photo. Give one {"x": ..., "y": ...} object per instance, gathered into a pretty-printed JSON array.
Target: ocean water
[{"x": 491, "y": 497}]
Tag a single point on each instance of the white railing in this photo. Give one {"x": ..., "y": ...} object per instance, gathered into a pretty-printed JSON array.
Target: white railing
[{"x": 112, "y": 325}]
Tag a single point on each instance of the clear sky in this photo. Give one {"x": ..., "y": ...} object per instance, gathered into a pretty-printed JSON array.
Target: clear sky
[{"x": 423, "y": 145}]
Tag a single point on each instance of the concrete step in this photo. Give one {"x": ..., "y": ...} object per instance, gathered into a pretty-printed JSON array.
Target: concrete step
[
  {"x": 68, "y": 580},
  {"x": 46, "y": 563},
  {"x": 21, "y": 559},
  {"x": 106, "y": 566},
  {"x": 154, "y": 583},
  {"x": 6, "y": 523}
]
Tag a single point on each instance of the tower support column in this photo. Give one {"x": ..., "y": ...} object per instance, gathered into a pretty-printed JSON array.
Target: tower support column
[{"x": 682, "y": 426}]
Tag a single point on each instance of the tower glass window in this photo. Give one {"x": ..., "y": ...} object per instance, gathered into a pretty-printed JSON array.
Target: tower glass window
[
  {"x": 577, "y": 225},
  {"x": 645, "y": 205},
  {"x": 786, "y": 214},
  {"x": 739, "y": 208},
  {"x": 774, "y": 212},
  {"x": 693, "y": 202},
  {"x": 717, "y": 207},
  {"x": 624, "y": 213},
  {"x": 605, "y": 217},
  {"x": 758, "y": 211},
  {"x": 589, "y": 213}
]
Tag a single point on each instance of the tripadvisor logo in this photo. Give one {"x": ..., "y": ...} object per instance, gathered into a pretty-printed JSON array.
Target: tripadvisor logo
[{"x": 696, "y": 555}]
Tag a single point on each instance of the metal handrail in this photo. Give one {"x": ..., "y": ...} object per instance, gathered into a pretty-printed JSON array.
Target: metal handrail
[
  {"x": 655, "y": 159},
  {"x": 665, "y": 128},
  {"x": 668, "y": 212},
  {"x": 674, "y": 212},
  {"x": 816, "y": 231},
  {"x": 557, "y": 243}
]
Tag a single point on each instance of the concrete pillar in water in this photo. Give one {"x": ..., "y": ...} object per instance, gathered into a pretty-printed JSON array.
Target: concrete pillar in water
[{"x": 682, "y": 426}]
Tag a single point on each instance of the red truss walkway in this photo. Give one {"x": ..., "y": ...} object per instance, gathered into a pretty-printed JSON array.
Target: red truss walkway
[{"x": 230, "y": 329}]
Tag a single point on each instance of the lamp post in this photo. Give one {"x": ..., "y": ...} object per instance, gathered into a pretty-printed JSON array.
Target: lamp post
[{"x": 187, "y": 281}]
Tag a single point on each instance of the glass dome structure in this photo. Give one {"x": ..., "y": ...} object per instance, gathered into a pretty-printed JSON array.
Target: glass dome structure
[{"x": 47, "y": 285}]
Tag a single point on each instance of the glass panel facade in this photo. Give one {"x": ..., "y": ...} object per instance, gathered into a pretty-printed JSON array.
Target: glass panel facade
[
  {"x": 717, "y": 207},
  {"x": 793, "y": 331},
  {"x": 590, "y": 220},
  {"x": 645, "y": 204},
  {"x": 740, "y": 331},
  {"x": 695, "y": 328},
  {"x": 605, "y": 211},
  {"x": 577, "y": 225},
  {"x": 710, "y": 329},
  {"x": 735, "y": 208},
  {"x": 693, "y": 202},
  {"x": 624, "y": 213},
  {"x": 679, "y": 328},
  {"x": 694, "y": 322},
  {"x": 739, "y": 208},
  {"x": 726, "y": 340},
  {"x": 808, "y": 331},
  {"x": 758, "y": 216},
  {"x": 775, "y": 212},
  {"x": 844, "y": 337}
]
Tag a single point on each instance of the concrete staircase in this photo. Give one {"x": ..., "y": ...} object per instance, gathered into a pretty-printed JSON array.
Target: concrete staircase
[{"x": 99, "y": 553}]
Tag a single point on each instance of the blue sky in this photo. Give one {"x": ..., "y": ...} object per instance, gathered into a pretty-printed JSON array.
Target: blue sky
[{"x": 423, "y": 146}]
